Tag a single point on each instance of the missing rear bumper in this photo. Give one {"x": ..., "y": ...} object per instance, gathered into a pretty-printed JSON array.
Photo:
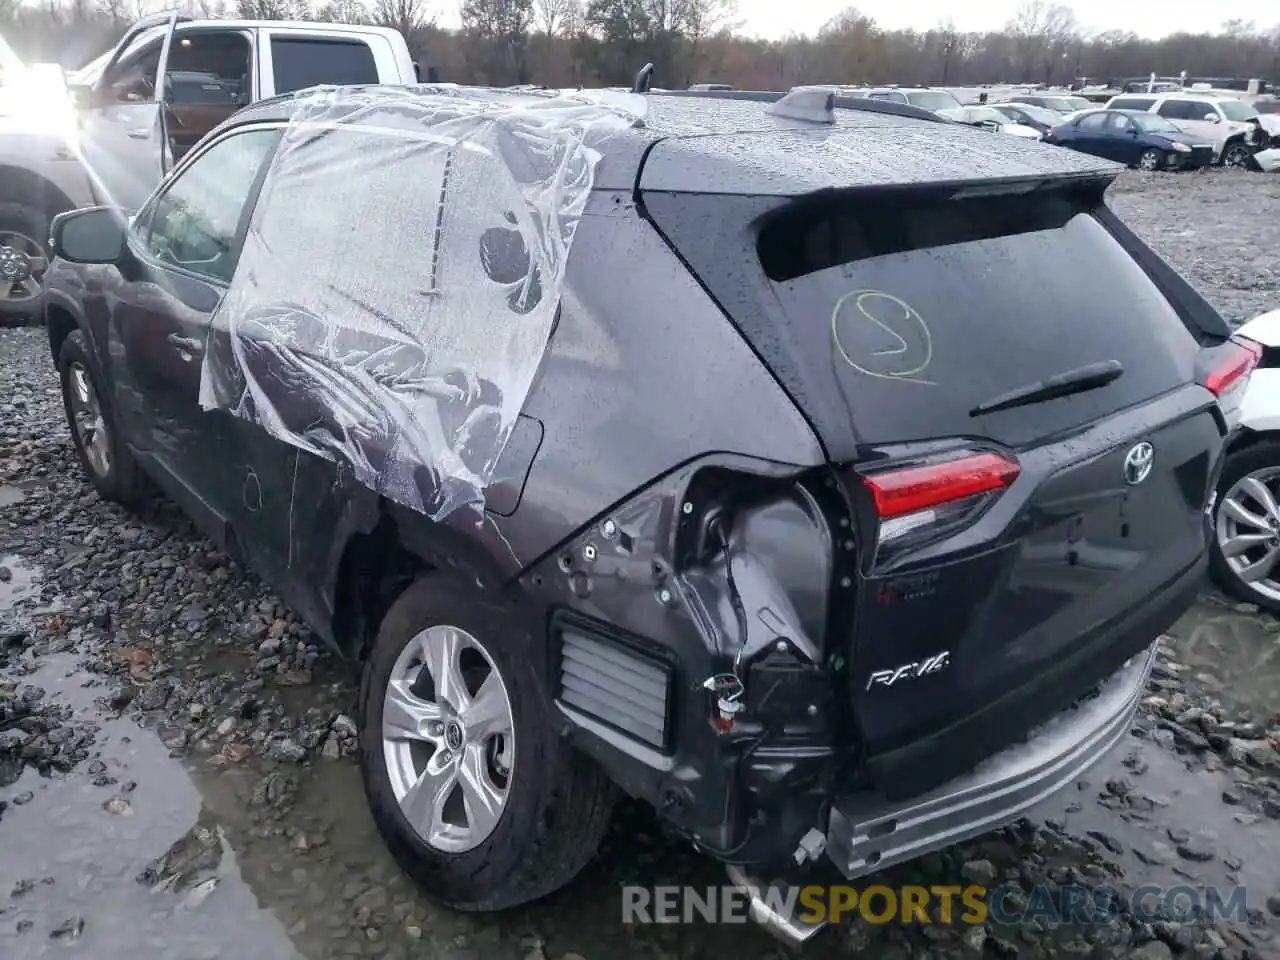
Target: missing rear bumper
[{"x": 866, "y": 834}]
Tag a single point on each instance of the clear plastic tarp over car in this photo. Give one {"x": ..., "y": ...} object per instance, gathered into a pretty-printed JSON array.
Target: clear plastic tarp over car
[{"x": 400, "y": 277}]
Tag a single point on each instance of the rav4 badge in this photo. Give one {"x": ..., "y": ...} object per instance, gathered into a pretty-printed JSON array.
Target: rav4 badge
[{"x": 910, "y": 671}]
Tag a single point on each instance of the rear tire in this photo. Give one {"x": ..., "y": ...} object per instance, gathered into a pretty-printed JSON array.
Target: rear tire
[
  {"x": 1151, "y": 160},
  {"x": 106, "y": 461},
  {"x": 556, "y": 803},
  {"x": 1252, "y": 461},
  {"x": 25, "y": 230}
]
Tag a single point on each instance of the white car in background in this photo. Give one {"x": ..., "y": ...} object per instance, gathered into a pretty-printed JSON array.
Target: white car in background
[
  {"x": 1244, "y": 557},
  {"x": 1064, "y": 103},
  {"x": 990, "y": 118},
  {"x": 1226, "y": 122},
  {"x": 927, "y": 98}
]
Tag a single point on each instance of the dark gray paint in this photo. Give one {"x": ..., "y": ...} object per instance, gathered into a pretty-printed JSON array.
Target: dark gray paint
[{"x": 642, "y": 373}]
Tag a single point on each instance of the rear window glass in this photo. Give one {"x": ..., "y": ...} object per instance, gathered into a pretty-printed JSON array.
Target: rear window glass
[
  {"x": 929, "y": 309},
  {"x": 1131, "y": 103},
  {"x": 298, "y": 63}
]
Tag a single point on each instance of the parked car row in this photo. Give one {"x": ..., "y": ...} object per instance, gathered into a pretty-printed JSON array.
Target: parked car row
[
  {"x": 1141, "y": 140},
  {"x": 1175, "y": 130}
]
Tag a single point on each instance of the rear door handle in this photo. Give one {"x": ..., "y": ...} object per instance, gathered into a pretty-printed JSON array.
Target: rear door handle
[
  {"x": 140, "y": 133},
  {"x": 188, "y": 345}
]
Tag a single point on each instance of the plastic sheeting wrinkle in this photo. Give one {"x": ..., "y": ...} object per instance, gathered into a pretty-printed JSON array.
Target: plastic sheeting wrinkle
[{"x": 400, "y": 278}]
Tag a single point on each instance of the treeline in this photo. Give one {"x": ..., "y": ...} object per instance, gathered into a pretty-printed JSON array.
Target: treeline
[{"x": 603, "y": 42}]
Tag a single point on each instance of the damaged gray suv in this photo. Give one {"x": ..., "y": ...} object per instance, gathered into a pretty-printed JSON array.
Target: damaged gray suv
[{"x": 716, "y": 449}]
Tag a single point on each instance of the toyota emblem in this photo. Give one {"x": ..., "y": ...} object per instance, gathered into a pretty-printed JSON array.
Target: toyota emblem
[{"x": 1137, "y": 463}]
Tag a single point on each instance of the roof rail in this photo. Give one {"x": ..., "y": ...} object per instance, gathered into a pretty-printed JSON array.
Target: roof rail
[{"x": 839, "y": 102}]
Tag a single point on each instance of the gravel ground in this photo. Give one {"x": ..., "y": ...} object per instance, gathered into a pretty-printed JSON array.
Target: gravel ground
[{"x": 176, "y": 777}]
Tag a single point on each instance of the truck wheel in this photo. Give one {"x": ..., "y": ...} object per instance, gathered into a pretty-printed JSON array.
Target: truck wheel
[
  {"x": 1244, "y": 557},
  {"x": 106, "y": 461},
  {"x": 24, "y": 259},
  {"x": 1236, "y": 155},
  {"x": 474, "y": 792}
]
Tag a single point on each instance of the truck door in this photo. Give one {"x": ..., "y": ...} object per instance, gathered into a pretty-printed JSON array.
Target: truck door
[{"x": 122, "y": 135}]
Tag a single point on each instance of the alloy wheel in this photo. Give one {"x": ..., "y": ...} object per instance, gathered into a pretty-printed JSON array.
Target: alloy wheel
[
  {"x": 448, "y": 738},
  {"x": 23, "y": 264},
  {"x": 1248, "y": 531},
  {"x": 87, "y": 420},
  {"x": 1150, "y": 160}
]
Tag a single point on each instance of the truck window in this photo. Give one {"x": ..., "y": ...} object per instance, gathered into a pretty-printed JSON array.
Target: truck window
[
  {"x": 208, "y": 67},
  {"x": 301, "y": 62}
]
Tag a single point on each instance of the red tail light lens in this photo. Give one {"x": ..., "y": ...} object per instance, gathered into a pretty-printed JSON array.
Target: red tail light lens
[
  {"x": 1241, "y": 357},
  {"x": 924, "y": 487}
]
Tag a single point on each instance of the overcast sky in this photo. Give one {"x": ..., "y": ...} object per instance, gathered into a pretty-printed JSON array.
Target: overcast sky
[{"x": 1153, "y": 18}]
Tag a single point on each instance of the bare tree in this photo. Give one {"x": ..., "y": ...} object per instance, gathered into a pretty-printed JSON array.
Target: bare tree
[
  {"x": 271, "y": 9},
  {"x": 1041, "y": 32},
  {"x": 407, "y": 16},
  {"x": 550, "y": 15},
  {"x": 343, "y": 11}
]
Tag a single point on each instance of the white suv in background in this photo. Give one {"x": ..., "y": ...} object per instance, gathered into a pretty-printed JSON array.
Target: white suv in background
[{"x": 1222, "y": 121}]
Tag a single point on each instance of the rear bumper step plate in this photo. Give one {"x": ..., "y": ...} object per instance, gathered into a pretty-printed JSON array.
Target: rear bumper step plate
[{"x": 865, "y": 834}]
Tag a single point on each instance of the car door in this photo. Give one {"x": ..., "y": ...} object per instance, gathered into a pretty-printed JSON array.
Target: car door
[
  {"x": 1189, "y": 117},
  {"x": 121, "y": 136},
  {"x": 1125, "y": 141},
  {"x": 183, "y": 248},
  {"x": 1089, "y": 135},
  {"x": 208, "y": 76}
]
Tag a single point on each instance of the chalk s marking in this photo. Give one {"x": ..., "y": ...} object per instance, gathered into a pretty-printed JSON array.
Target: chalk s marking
[{"x": 861, "y": 300}]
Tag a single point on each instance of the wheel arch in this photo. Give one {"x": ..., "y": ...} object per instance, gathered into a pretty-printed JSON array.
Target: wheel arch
[
  {"x": 391, "y": 546},
  {"x": 60, "y": 322},
  {"x": 20, "y": 184},
  {"x": 1246, "y": 437}
]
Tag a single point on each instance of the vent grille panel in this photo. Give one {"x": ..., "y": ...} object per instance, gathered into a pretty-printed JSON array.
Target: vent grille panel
[{"x": 610, "y": 683}]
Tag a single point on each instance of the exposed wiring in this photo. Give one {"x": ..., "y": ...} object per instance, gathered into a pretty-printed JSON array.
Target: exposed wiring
[{"x": 735, "y": 596}]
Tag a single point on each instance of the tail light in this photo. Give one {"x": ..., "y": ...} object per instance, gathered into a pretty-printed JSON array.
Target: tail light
[
  {"x": 1228, "y": 377},
  {"x": 928, "y": 497}
]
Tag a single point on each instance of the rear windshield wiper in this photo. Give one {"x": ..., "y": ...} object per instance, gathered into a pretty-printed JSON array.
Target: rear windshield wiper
[{"x": 1089, "y": 377}]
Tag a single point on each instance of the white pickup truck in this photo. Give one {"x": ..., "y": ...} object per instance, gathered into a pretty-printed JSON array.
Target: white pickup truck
[{"x": 120, "y": 122}]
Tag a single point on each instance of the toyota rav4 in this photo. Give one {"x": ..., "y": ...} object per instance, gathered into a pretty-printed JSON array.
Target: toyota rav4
[{"x": 818, "y": 471}]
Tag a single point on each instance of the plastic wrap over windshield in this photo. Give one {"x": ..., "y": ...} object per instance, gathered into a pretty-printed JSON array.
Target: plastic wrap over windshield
[{"x": 400, "y": 277}]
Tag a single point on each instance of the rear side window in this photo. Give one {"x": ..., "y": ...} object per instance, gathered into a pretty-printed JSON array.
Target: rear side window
[
  {"x": 1093, "y": 121},
  {"x": 1131, "y": 103},
  {"x": 301, "y": 62},
  {"x": 930, "y": 307},
  {"x": 1181, "y": 110}
]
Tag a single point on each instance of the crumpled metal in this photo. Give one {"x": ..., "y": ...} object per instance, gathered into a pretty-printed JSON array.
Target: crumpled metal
[{"x": 400, "y": 278}]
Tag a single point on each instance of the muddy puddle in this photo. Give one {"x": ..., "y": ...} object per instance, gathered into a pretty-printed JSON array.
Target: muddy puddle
[
  {"x": 146, "y": 850},
  {"x": 1234, "y": 655}
]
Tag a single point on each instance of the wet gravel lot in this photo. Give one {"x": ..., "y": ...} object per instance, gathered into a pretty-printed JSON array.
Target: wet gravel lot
[{"x": 176, "y": 777}]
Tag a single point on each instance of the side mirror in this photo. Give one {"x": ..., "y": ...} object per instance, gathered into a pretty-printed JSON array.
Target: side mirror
[
  {"x": 1213, "y": 118},
  {"x": 90, "y": 235}
]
